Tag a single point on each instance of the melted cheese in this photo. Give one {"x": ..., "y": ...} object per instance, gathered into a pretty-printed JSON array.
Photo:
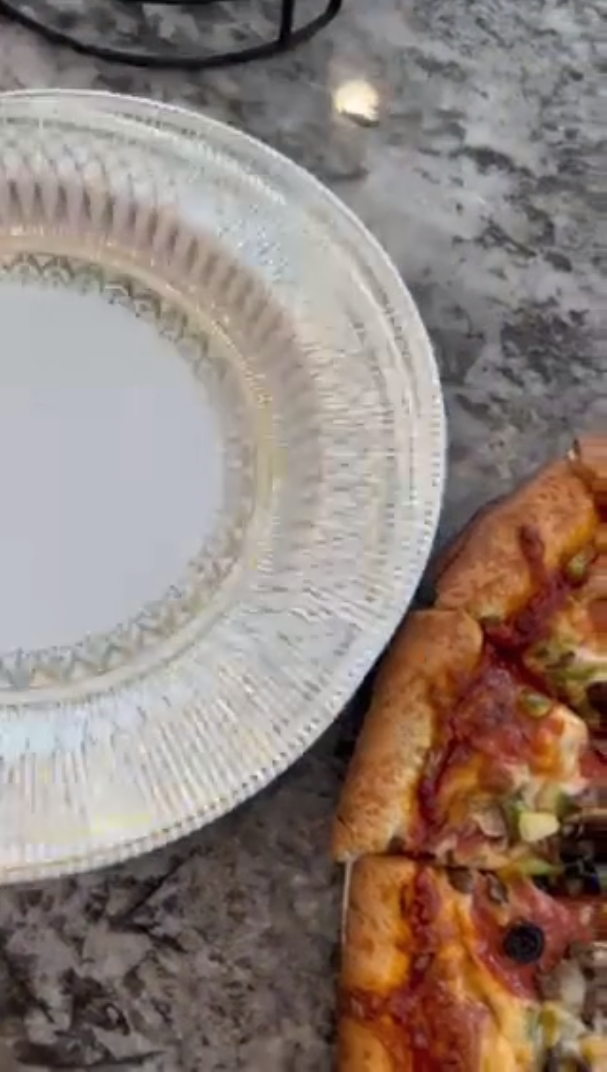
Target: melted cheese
[
  {"x": 511, "y": 1014},
  {"x": 593, "y": 1049},
  {"x": 561, "y": 774},
  {"x": 587, "y": 656}
]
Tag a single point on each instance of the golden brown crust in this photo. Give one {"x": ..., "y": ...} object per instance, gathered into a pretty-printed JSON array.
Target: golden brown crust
[
  {"x": 589, "y": 458},
  {"x": 360, "y": 1050},
  {"x": 490, "y": 576},
  {"x": 374, "y": 957},
  {"x": 436, "y": 653},
  {"x": 455, "y": 546}
]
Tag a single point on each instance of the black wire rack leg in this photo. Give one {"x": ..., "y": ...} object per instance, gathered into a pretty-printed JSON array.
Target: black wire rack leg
[{"x": 287, "y": 37}]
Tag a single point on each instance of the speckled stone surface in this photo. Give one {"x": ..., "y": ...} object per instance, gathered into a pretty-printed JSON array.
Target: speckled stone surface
[{"x": 482, "y": 180}]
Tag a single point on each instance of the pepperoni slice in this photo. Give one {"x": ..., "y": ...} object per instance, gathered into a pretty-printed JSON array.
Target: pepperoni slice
[{"x": 560, "y": 925}]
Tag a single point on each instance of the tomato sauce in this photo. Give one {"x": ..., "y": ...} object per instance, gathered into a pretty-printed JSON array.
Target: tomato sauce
[
  {"x": 487, "y": 721},
  {"x": 552, "y": 590},
  {"x": 443, "y": 1034},
  {"x": 489, "y": 714},
  {"x": 531, "y": 625},
  {"x": 594, "y": 767},
  {"x": 597, "y": 612},
  {"x": 592, "y": 909}
]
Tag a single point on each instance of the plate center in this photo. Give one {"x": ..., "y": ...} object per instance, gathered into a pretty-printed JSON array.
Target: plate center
[{"x": 111, "y": 463}]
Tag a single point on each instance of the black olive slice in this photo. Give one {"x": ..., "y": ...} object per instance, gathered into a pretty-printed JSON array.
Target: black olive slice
[
  {"x": 524, "y": 942},
  {"x": 558, "y": 1062},
  {"x": 597, "y": 697}
]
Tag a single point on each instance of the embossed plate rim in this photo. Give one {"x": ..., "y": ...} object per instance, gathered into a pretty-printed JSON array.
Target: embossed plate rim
[{"x": 378, "y": 275}]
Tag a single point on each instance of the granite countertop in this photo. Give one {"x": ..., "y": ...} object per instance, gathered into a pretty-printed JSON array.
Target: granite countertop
[{"x": 481, "y": 179}]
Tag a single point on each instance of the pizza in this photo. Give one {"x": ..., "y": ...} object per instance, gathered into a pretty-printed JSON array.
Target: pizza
[
  {"x": 533, "y": 573},
  {"x": 452, "y": 970},
  {"x": 460, "y": 757},
  {"x": 474, "y": 812}
]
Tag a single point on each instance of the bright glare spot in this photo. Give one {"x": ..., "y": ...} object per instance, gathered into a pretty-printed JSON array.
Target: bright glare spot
[{"x": 358, "y": 100}]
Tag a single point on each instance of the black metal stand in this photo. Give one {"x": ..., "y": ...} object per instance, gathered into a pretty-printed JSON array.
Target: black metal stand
[{"x": 287, "y": 36}]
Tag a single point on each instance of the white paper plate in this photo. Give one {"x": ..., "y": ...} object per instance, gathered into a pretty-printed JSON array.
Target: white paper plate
[{"x": 222, "y": 443}]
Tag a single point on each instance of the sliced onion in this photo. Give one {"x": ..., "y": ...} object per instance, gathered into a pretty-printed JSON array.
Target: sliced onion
[{"x": 491, "y": 822}]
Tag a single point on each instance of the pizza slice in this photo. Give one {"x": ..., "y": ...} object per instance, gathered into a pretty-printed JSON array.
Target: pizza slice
[
  {"x": 463, "y": 972},
  {"x": 533, "y": 571},
  {"x": 459, "y": 758}
]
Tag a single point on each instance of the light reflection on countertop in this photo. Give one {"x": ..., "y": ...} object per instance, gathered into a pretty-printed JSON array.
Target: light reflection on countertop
[{"x": 357, "y": 99}]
